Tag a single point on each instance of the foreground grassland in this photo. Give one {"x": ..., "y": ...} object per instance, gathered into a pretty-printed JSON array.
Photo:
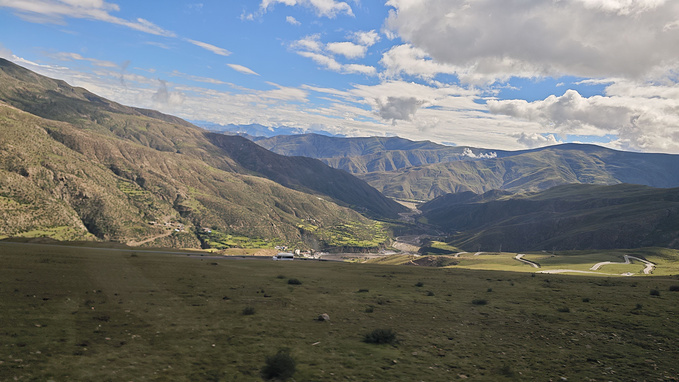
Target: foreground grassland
[{"x": 72, "y": 313}]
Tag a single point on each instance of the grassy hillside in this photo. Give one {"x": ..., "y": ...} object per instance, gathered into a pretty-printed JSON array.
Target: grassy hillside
[
  {"x": 564, "y": 217},
  {"x": 81, "y": 167},
  {"x": 94, "y": 314}
]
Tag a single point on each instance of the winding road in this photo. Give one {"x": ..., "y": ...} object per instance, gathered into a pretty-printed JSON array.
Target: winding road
[
  {"x": 647, "y": 270},
  {"x": 531, "y": 263}
]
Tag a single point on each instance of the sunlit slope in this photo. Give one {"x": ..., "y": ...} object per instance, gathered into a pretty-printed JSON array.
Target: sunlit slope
[{"x": 125, "y": 174}]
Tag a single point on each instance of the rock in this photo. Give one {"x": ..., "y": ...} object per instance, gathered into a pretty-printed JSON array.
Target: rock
[{"x": 323, "y": 317}]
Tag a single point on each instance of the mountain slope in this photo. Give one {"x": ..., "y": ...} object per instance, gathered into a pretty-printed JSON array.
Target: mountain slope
[
  {"x": 573, "y": 216},
  {"x": 126, "y": 174},
  {"x": 530, "y": 171},
  {"x": 369, "y": 154},
  {"x": 308, "y": 175}
]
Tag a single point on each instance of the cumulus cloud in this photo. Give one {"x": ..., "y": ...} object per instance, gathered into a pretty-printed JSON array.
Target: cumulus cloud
[
  {"x": 54, "y": 11},
  {"x": 347, "y": 49},
  {"x": 648, "y": 124},
  {"x": 324, "y": 55},
  {"x": 242, "y": 69},
  {"x": 531, "y": 140},
  {"x": 487, "y": 40},
  {"x": 398, "y": 108},
  {"x": 326, "y": 8},
  {"x": 406, "y": 59},
  {"x": 366, "y": 38}
]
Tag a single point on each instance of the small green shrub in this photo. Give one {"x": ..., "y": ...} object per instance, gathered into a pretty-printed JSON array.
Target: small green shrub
[
  {"x": 380, "y": 336},
  {"x": 674, "y": 288},
  {"x": 419, "y": 284},
  {"x": 586, "y": 299},
  {"x": 294, "y": 282},
  {"x": 489, "y": 290},
  {"x": 430, "y": 293},
  {"x": 280, "y": 276},
  {"x": 370, "y": 309},
  {"x": 479, "y": 301},
  {"x": 280, "y": 366},
  {"x": 565, "y": 309},
  {"x": 248, "y": 311},
  {"x": 655, "y": 292},
  {"x": 363, "y": 291}
]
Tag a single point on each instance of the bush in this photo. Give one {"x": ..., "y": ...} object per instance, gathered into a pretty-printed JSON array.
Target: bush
[
  {"x": 363, "y": 291},
  {"x": 430, "y": 293},
  {"x": 655, "y": 292},
  {"x": 479, "y": 301},
  {"x": 674, "y": 288},
  {"x": 419, "y": 284},
  {"x": 248, "y": 311},
  {"x": 380, "y": 336},
  {"x": 280, "y": 366},
  {"x": 294, "y": 282},
  {"x": 370, "y": 309},
  {"x": 565, "y": 309},
  {"x": 586, "y": 299}
]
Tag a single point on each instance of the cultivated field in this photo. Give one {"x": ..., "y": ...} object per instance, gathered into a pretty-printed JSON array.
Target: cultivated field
[{"x": 121, "y": 315}]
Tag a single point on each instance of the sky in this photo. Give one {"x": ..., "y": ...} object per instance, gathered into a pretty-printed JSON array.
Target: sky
[{"x": 499, "y": 74}]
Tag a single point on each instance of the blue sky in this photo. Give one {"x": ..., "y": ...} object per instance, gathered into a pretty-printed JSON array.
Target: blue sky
[{"x": 484, "y": 73}]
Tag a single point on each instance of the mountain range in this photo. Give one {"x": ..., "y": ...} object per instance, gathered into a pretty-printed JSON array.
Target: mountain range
[
  {"x": 421, "y": 171},
  {"x": 75, "y": 166}
]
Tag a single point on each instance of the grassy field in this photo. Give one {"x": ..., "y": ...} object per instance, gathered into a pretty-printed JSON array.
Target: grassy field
[{"x": 77, "y": 313}]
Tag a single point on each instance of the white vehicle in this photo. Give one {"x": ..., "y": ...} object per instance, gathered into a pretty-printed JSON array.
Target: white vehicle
[{"x": 284, "y": 256}]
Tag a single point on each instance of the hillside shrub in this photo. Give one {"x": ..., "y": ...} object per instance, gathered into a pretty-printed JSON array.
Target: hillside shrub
[
  {"x": 655, "y": 292},
  {"x": 419, "y": 284},
  {"x": 564, "y": 309},
  {"x": 479, "y": 301},
  {"x": 674, "y": 288},
  {"x": 248, "y": 311},
  {"x": 380, "y": 336},
  {"x": 280, "y": 366},
  {"x": 294, "y": 282}
]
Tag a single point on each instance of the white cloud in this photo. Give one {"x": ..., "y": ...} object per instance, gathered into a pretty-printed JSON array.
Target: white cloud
[
  {"x": 176, "y": 73},
  {"x": 405, "y": 59},
  {"x": 347, "y": 49},
  {"x": 487, "y": 40},
  {"x": 310, "y": 43},
  {"x": 470, "y": 154},
  {"x": 647, "y": 124},
  {"x": 531, "y": 140},
  {"x": 364, "y": 38},
  {"x": 68, "y": 56},
  {"x": 242, "y": 69},
  {"x": 327, "y": 8},
  {"x": 209, "y": 47},
  {"x": 55, "y": 11},
  {"x": 292, "y": 21}
]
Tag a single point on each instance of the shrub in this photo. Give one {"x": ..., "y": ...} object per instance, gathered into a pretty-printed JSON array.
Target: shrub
[
  {"x": 279, "y": 366},
  {"x": 674, "y": 288},
  {"x": 430, "y": 293},
  {"x": 370, "y": 309},
  {"x": 419, "y": 284},
  {"x": 380, "y": 336},
  {"x": 565, "y": 309},
  {"x": 479, "y": 301},
  {"x": 280, "y": 276},
  {"x": 489, "y": 290},
  {"x": 655, "y": 292},
  {"x": 586, "y": 299},
  {"x": 248, "y": 311},
  {"x": 363, "y": 291},
  {"x": 294, "y": 282}
]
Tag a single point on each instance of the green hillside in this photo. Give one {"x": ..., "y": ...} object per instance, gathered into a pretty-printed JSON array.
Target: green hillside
[
  {"x": 76, "y": 166},
  {"x": 564, "y": 217}
]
